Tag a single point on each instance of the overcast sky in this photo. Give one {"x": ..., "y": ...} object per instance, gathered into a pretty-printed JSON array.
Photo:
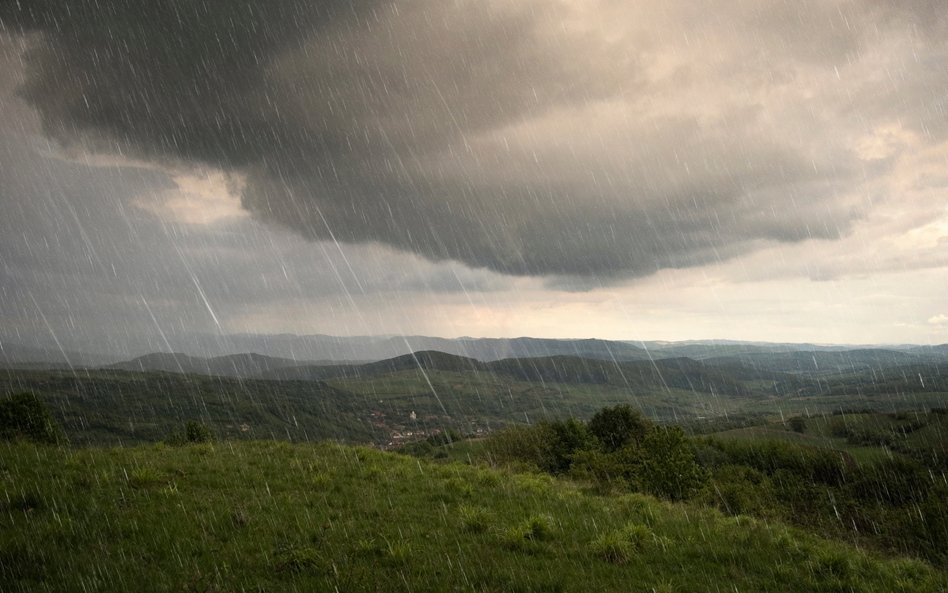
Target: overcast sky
[{"x": 742, "y": 169}]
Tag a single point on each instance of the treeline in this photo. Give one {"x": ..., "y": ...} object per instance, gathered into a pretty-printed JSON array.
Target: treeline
[
  {"x": 617, "y": 448},
  {"x": 895, "y": 504},
  {"x": 24, "y": 417}
]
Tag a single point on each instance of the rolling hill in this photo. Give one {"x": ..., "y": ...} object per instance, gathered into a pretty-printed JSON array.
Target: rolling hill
[{"x": 266, "y": 516}]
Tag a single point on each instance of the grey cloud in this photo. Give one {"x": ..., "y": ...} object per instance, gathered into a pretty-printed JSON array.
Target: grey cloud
[{"x": 482, "y": 131}]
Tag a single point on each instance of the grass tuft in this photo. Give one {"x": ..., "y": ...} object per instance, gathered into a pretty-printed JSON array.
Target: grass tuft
[
  {"x": 143, "y": 477},
  {"x": 474, "y": 519},
  {"x": 297, "y": 560},
  {"x": 621, "y": 545}
]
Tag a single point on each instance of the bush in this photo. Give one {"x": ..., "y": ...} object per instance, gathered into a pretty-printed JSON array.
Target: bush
[
  {"x": 24, "y": 416},
  {"x": 192, "y": 432},
  {"x": 812, "y": 464},
  {"x": 568, "y": 437},
  {"x": 549, "y": 446},
  {"x": 618, "y": 426},
  {"x": 197, "y": 432},
  {"x": 528, "y": 444},
  {"x": 935, "y": 514},
  {"x": 740, "y": 490},
  {"x": 797, "y": 424},
  {"x": 895, "y": 481},
  {"x": 619, "y": 469},
  {"x": 669, "y": 469}
]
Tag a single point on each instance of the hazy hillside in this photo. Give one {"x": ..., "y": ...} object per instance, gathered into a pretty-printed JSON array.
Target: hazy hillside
[
  {"x": 247, "y": 395},
  {"x": 171, "y": 362},
  {"x": 857, "y": 360},
  {"x": 425, "y": 360},
  {"x": 234, "y": 365},
  {"x": 13, "y": 354},
  {"x": 122, "y": 407},
  {"x": 681, "y": 373}
]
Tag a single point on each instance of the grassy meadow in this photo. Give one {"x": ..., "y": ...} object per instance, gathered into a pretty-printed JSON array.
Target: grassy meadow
[{"x": 275, "y": 516}]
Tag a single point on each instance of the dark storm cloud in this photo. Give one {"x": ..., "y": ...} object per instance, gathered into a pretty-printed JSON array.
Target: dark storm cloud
[{"x": 535, "y": 138}]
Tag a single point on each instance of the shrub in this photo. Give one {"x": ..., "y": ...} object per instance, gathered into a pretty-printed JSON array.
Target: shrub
[
  {"x": 812, "y": 464},
  {"x": 738, "y": 490},
  {"x": 797, "y": 424},
  {"x": 196, "y": 432},
  {"x": 24, "y": 416},
  {"x": 568, "y": 437},
  {"x": 529, "y": 444},
  {"x": 895, "y": 481},
  {"x": 935, "y": 514},
  {"x": 618, "y": 469},
  {"x": 192, "y": 432},
  {"x": 550, "y": 446},
  {"x": 669, "y": 469},
  {"x": 618, "y": 426}
]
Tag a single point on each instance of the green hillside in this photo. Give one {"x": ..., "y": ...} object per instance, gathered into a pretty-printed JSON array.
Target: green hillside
[
  {"x": 267, "y": 516},
  {"x": 415, "y": 395},
  {"x": 112, "y": 407}
]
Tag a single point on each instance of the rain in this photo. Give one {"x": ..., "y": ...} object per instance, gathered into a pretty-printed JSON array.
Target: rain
[{"x": 545, "y": 295}]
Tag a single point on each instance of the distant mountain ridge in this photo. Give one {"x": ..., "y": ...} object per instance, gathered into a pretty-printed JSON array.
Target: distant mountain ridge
[
  {"x": 233, "y": 365},
  {"x": 679, "y": 372},
  {"x": 737, "y": 374},
  {"x": 373, "y": 348},
  {"x": 244, "y": 355}
]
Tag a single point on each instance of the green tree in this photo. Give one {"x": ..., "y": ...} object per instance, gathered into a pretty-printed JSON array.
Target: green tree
[
  {"x": 24, "y": 416},
  {"x": 568, "y": 437},
  {"x": 618, "y": 426},
  {"x": 197, "y": 432}
]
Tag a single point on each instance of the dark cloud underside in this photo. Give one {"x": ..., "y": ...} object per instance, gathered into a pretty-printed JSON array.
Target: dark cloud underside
[{"x": 532, "y": 138}]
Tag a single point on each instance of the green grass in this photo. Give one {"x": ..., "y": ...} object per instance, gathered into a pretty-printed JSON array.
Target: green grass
[{"x": 267, "y": 516}]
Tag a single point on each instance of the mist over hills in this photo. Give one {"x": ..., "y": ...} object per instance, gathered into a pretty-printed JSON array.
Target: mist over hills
[
  {"x": 233, "y": 365},
  {"x": 374, "y": 348},
  {"x": 250, "y": 394},
  {"x": 777, "y": 372},
  {"x": 317, "y": 348},
  {"x": 253, "y": 354}
]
